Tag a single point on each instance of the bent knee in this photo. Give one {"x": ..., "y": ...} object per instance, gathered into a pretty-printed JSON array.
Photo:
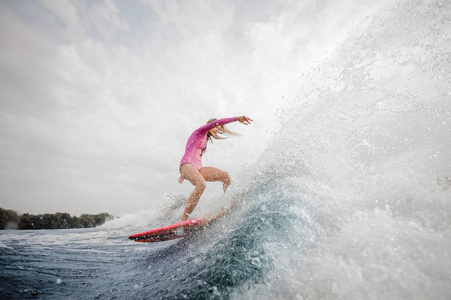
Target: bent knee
[
  {"x": 227, "y": 179},
  {"x": 201, "y": 185}
]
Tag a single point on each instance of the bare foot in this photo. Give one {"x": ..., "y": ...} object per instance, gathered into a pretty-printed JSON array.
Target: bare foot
[{"x": 225, "y": 186}]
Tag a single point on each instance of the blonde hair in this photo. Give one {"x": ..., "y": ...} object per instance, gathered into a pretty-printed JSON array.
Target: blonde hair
[{"x": 222, "y": 129}]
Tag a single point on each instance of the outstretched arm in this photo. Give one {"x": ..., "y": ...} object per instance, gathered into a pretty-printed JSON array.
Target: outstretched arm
[
  {"x": 210, "y": 126},
  {"x": 243, "y": 119}
]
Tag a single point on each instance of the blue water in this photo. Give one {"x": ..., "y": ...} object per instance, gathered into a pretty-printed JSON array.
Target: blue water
[
  {"x": 351, "y": 200},
  {"x": 226, "y": 259}
]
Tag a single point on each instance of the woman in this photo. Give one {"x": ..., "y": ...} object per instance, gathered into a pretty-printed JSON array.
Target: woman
[{"x": 191, "y": 165}]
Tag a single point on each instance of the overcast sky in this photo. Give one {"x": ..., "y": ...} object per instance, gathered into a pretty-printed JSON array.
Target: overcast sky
[{"x": 98, "y": 98}]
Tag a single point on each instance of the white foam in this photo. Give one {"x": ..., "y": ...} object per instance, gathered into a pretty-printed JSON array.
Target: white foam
[{"x": 369, "y": 147}]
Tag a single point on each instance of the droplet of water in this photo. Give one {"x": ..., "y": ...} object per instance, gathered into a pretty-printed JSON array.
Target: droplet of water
[{"x": 255, "y": 261}]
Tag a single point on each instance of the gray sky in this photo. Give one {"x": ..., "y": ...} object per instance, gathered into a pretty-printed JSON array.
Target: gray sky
[{"x": 98, "y": 98}]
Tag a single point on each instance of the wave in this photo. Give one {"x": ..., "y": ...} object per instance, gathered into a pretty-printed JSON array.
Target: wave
[
  {"x": 369, "y": 148},
  {"x": 351, "y": 198}
]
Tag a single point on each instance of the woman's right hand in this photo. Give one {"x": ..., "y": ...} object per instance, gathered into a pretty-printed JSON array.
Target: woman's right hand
[{"x": 245, "y": 120}]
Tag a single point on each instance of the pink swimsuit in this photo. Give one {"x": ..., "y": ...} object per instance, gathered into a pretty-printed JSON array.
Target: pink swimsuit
[{"x": 197, "y": 143}]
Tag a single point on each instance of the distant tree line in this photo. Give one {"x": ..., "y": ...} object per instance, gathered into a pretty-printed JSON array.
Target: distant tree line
[{"x": 10, "y": 219}]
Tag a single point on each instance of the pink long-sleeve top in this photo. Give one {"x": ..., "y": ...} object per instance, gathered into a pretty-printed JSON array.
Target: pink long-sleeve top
[{"x": 197, "y": 143}]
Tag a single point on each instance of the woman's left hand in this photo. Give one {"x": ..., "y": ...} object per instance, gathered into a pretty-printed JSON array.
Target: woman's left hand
[{"x": 245, "y": 120}]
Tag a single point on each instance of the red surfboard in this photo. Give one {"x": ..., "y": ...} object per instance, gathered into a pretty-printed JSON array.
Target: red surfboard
[{"x": 175, "y": 231}]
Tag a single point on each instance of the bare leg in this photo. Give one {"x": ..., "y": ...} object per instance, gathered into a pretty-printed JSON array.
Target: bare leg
[
  {"x": 215, "y": 174},
  {"x": 190, "y": 173}
]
